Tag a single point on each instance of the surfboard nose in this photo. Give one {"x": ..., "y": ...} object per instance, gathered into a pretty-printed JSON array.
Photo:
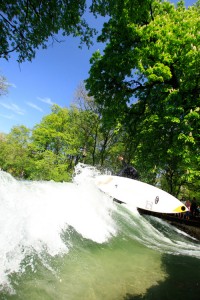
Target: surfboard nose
[{"x": 180, "y": 209}]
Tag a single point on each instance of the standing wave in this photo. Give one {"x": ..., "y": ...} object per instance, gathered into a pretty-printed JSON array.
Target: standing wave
[{"x": 38, "y": 220}]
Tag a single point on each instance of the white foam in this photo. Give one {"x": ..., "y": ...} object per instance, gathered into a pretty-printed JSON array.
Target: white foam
[{"x": 34, "y": 214}]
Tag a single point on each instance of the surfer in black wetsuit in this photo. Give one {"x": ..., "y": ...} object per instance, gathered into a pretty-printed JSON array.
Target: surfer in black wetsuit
[{"x": 128, "y": 170}]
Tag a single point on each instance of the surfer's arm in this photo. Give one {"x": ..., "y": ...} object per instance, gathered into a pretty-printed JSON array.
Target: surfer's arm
[{"x": 124, "y": 164}]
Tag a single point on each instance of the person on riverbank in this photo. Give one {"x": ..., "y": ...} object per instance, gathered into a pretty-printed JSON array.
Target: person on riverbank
[
  {"x": 193, "y": 207},
  {"x": 187, "y": 204},
  {"x": 128, "y": 170}
]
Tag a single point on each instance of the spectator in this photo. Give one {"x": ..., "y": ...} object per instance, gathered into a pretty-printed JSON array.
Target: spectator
[
  {"x": 187, "y": 204},
  {"x": 193, "y": 207}
]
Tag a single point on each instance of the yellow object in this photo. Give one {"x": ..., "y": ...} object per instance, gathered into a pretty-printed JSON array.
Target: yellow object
[{"x": 180, "y": 209}]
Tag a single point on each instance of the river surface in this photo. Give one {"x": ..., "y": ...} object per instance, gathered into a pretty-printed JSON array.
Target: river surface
[{"x": 70, "y": 241}]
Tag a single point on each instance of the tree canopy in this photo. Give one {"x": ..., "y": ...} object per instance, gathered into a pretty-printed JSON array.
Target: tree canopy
[
  {"x": 151, "y": 59},
  {"x": 77, "y": 134},
  {"x": 144, "y": 90},
  {"x": 27, "y": 25},
  {"x": 149, "y": 76}
]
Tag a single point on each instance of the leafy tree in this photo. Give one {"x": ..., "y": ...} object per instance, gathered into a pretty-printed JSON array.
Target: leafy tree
[
  {"x": 51, "y": 142},
  {"x": 48, "y": 166},
  {"x": 27, "y": 25},
  {"x": 3, "y": 140},
  {"x": 149, "y": 75},
  {"x": 102, "y": 144},
  {"x": 147, "y": 55},
  {"x": 14, "y": 151},
  {"x": 60, "y": 140}
]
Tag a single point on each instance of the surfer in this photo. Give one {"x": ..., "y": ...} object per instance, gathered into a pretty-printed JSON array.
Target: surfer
[{"x": 128, "y": 170}]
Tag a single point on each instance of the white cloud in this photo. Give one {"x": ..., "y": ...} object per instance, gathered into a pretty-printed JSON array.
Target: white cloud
[
  {"x": 10, "y": 117},
  {"x": 34, "y": 106},
  {"x": 13, "y": 107},
  {"x": 12, "y": 85},
  {"x": 46, "y": 100}
]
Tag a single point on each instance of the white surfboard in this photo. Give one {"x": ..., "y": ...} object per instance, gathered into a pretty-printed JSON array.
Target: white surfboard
[{"x": 139, "y": 194}]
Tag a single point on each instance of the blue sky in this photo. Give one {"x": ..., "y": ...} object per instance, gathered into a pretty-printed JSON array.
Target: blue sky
[{"x": 52, "y": 77}]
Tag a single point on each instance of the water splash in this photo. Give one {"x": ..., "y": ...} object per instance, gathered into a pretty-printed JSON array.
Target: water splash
[
  {"x": 36, "y": 219},
  {"x": 34, "y": 214}
]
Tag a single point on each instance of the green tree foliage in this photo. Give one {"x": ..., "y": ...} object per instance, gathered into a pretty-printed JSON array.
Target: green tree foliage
[
  {"x": 149, "y": 75},
  {"x": 102, "y": 144},
  {"x": 3, "y": 140},
  {"x": 52, "y": 149},
  {"x": 150, "y": 55},
  {"x": 66, "y": 137},
  {"x": 51, "y": 145},
  {"x": 62, "y": 139},
  {"x": 26, "y": 25},
  {"x": 144, "y": 89},
  {"x": 14, "y": 151}
]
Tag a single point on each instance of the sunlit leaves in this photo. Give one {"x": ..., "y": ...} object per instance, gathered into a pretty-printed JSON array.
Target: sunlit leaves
[{"x": 149, "y": 76}]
